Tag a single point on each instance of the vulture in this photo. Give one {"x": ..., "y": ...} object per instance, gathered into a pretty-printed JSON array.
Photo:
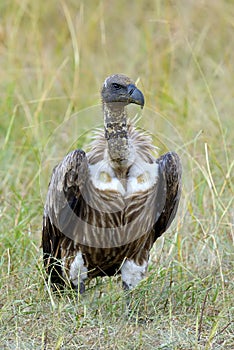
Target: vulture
[{"x": 105, "y": 208}]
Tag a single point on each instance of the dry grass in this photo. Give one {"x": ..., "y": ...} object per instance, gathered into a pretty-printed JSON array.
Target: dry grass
[{"x": 53, "y": 59}]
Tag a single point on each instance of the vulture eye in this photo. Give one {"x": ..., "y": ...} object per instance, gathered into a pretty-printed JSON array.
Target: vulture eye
[{"x": 117, "y": 86}]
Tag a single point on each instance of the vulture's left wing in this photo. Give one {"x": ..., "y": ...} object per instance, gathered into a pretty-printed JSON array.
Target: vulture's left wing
[{"x": 169, "y": 191}]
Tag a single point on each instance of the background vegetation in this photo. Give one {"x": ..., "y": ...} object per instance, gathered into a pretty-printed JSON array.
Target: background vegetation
[{"x": 54, "y": 57}]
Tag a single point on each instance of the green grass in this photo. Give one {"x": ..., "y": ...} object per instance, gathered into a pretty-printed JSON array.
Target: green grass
[{"x": 53, "y": 59}]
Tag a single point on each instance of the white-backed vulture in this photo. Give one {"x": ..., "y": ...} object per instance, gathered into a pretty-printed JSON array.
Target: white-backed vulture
[{"x": 105, "y": 209}]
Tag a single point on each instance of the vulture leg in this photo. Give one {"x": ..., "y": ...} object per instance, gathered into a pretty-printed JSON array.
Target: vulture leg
[
  {"x": 132, "y": 273},
  {"x": 78, "y": 273}
]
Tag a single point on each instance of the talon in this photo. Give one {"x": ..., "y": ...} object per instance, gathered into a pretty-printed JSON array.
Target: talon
[
  {"x": 82, "y": 288},
  {"x": 125, "y": 286}
]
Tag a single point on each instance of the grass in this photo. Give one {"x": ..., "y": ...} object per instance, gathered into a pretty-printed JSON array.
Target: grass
[{"x": 54, "y": 58}]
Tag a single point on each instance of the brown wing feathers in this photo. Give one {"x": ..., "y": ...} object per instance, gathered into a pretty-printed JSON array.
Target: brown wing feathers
[{"x": 169, "y": 191}]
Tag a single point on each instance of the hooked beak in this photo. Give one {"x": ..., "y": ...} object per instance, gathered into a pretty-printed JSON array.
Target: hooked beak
[{"x": 135, "y": 95}]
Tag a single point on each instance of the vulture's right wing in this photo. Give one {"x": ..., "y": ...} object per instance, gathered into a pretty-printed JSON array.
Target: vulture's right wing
[{"x": 64, "y": 193}]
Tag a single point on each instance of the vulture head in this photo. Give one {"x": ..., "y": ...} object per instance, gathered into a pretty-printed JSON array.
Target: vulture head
[{"x": 118, "y": 88}]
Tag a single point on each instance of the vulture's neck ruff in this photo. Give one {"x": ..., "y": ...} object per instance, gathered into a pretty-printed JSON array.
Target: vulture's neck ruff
[{"x": 119, "y": 91}]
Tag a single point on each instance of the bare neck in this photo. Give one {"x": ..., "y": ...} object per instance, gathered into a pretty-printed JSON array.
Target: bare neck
[{"x": 116, "y": 134}]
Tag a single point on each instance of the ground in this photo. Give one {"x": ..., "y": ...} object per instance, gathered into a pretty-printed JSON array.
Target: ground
[{"x": 53, "y": 60}]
